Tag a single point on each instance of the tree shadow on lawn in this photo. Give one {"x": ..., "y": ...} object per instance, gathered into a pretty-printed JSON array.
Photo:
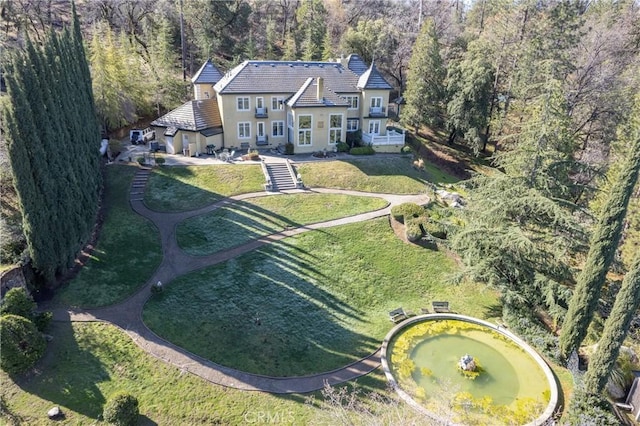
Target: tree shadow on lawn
[
  {"x": 263, "y": 313},
  {"x": 67, "y": 374},
  {"x": 237, "y": 223}
]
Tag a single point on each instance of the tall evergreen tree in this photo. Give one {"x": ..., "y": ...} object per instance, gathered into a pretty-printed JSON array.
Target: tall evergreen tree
[
  {"x": 602, "y": 249},
  {"x": 425, "y": 93},
  {"x": 469, "y": 84},
  {"x": 615, "y": 330},
  {"x": 56, "y": 173}
]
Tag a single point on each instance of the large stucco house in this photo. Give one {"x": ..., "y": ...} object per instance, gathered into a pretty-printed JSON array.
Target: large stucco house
[{"x": 262, "y": 104}]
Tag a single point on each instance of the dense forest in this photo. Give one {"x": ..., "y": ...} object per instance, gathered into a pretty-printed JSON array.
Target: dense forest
[{"x": 547, "y": 91}]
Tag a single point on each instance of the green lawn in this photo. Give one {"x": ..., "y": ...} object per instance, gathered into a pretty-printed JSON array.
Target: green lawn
[
  {"x": 243, "y": 221},
  {"x": 322, "y": 299},
  {"x": 391, "y": 175},
  {"x": 179, "y": 188},
  {"x": 87, "y": 362},
  {"x": 127, "y": 253}
]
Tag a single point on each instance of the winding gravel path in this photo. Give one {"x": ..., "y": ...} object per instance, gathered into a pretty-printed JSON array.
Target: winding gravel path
[{"x": 128, "y": 314}]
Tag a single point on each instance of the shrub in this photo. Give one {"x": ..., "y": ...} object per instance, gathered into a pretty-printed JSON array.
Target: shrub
[
  {"x": 42, "y": 320},
  {"x": 22, "y": 344},
  {"x": 115, "y": 147},
  {"x": 252, "y": 155},
  {"x": 18, "y": 302},
  {"x": 160, "y": 161},
  {"x": 403, "y": 211},
  {"x": 354, "y": 138},
  {"x": 140, "y": 160},
  {"x": 362, "y": 150},
  {"x": 413, "y": 231},
  {"x": 157, "y": 288},
  {"x": 406, "y": 149},
  {"x": 288, "y": 148},
  {"x": 589, "y": 409},
  {"x": 435, "y": 229},
  {"x": 342, "y": 147},
  {"x": 122, "y": 410}
]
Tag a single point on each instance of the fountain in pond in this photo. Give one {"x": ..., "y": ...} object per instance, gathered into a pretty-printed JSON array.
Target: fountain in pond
[{"x": 467, "y": 363}]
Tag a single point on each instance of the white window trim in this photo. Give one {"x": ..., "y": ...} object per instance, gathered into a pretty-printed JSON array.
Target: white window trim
[
  {"x": 257, "y": 102},
  {"x": 277, "y": 103},
  {"x": 371, "y": 122},
  {"x": 376, "y": 98},
  {"x": 350, "y": 101},
  {"x": 248, "y": 103},
  {"x": 248, "y": 127},
  {"x": 281, "y": 127},
  {"x": 309, "y": 130},
  {"x": 353, "y": 120},
  {"x": 336, "y": 128}
]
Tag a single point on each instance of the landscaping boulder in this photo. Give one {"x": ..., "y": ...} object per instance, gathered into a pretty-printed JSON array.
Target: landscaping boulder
[{"x": 54, "y": 413}]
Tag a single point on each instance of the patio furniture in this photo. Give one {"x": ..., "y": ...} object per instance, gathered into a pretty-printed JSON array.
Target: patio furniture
[
  {"x": 440, "y": 307},
  {"x": 397, "y": 315}
]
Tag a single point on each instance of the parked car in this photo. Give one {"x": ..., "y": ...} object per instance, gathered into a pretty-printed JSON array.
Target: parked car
[{"x": 138, "y": 136}]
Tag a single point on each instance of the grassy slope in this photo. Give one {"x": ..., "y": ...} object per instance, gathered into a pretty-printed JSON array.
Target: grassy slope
[
  {"x": 87, "y": 362},
  {"x": 188, "y": 188},
  {"x": 243, "y": 221},
  {"x": 127, "y": 253},
  {"x": 322, "y": 298},
  {"x": 388, "y": 174}
]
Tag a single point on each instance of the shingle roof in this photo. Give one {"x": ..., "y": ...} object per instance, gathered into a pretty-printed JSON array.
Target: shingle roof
[
  {"x": 285, "y": 77},
  {"x": 356, "y": 64},
  {"x": 372, "y": 79},
  {"x": 307, "y": 96},
  {"x": 192, "y": 115},
  {"x": 207, "y": 74}
]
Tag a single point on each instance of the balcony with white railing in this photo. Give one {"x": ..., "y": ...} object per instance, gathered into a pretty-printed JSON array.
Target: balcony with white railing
[
  {"x": 261, "y": 113},
  {"x": 392, "y": 137},
  {"x": 378, "y": 111}
]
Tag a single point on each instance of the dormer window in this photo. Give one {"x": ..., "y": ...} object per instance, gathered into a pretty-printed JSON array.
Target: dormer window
[{"x": 206, "y": 95}]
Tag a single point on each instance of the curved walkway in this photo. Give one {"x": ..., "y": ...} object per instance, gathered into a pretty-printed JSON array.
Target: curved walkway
[{"x": 128, "y": 313}]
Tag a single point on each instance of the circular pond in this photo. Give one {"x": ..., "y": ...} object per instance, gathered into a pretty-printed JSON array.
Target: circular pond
[{"x": 459, "y": 369}]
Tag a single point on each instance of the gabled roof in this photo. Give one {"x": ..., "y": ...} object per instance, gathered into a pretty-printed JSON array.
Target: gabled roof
[
  {"x": 356, "y": 64},
  {"x": 307, "y": 96},
  {"x": 372, "y": 79},
  {"x": 285, "y": 77},
  {"x": 192, "y": 115},
  {"x": 207, "y": 74}
]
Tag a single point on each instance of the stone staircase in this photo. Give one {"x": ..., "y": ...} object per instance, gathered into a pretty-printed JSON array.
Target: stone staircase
[
  {"x": 280, "y": 176},
  {"x": 139, "y": 182}
]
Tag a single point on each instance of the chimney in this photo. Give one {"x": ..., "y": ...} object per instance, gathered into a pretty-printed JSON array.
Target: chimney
[{"x": 320, "y": 84}]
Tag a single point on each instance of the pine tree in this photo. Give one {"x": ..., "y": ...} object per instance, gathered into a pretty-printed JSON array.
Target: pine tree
[
  {"x": 469, "y": 86},
  {"x": 615, "y": 330},
  {"x": 425, "y": 93},
  {"x": 603, "y": 246},
  {"x": 290, "y": 50}
]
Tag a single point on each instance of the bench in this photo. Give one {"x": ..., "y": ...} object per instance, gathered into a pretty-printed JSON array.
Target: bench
[
  {"x": 397, "y": 315},
  {"x": 440, "y": 307}
]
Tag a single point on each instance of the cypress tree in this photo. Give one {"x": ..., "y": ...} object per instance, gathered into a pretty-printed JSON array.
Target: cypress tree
[
  {"x": 52, "y": 140},
  {"x": 615, "y": 330},
  {"x": 603, "y": 246}
]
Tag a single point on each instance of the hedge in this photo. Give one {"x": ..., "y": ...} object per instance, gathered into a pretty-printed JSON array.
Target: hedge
[
  {"x": 407, "y": 210},
  {"x": 362, "y": 150}
]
